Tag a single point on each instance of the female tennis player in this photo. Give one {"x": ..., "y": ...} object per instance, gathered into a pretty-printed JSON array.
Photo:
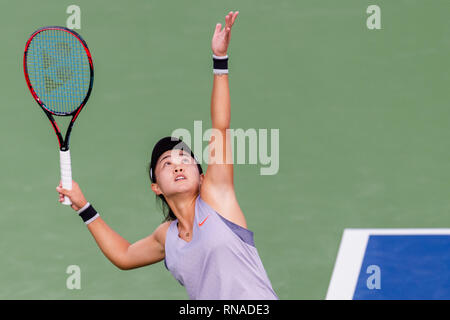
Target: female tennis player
[{"x": 204, "y": 240}]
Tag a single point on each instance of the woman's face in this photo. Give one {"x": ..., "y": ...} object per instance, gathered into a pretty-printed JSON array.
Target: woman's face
[{"x": 176, "y": 172}]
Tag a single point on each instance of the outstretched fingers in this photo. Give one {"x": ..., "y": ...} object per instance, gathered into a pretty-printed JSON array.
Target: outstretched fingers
[
  {"x": 229, "y": 20},
  {"x": 218, "y": 27},
  {"x": 221, "y": 37},
  {"x": 234, "y": 16}
]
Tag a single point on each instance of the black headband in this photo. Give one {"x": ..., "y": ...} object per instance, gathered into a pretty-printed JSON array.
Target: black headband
[{"x": 166, "y": 144}]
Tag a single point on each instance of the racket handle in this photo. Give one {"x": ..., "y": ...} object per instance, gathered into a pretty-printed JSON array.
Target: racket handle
[{"x": 66, "y": 173}]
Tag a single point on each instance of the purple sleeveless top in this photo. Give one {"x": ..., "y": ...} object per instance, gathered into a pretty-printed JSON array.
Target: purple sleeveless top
[{"x": 220, "y": 261}]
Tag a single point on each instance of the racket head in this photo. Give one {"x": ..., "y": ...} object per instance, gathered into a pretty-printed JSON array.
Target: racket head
[{"x": 58, "y": 70}]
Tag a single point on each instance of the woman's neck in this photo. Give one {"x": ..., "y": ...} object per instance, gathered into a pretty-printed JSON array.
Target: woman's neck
[{"x": 183, "y": 206}]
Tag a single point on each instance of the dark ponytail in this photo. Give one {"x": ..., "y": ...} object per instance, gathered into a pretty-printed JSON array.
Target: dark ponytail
[{"x": 166, "y": 210}]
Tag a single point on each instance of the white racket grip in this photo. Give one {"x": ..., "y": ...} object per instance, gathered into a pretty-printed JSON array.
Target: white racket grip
[{"x": 66, "y": 173}]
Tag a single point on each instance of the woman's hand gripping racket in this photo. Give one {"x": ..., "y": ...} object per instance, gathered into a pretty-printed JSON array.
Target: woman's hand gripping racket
[{"x": 59, "y": 73}]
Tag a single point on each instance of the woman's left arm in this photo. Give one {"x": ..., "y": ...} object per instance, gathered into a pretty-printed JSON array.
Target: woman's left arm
[{"x": 218, "y": 187}]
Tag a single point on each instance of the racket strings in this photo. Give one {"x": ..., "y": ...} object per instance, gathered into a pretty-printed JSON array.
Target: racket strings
[{"x": 59, "y": 70}]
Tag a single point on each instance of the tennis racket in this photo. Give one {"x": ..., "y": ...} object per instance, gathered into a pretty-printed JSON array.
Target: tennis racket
[{"x": 59, "y": 73}]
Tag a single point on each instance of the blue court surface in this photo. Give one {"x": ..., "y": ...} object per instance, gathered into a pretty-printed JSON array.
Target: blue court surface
[{"x": 392, "y": 264}]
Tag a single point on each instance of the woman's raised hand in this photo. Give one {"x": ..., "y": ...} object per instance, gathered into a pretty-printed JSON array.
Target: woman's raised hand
[{"x": 221, "y": 37}]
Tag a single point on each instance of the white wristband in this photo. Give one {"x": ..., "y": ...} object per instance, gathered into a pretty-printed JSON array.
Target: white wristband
[
  {"x": 220, "y": 57},
  {"x": 219, "y": 65},
  {"x": 84, "y": 208},
  {"x": 220, "y": 71},
  {"x": 88, "y": 213}
]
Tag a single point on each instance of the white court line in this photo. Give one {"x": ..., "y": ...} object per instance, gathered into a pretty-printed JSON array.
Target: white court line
[{"x": 350, "y": 257}]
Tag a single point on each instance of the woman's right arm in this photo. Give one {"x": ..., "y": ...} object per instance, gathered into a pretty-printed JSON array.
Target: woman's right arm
[{"x": 118, "y": 250}]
